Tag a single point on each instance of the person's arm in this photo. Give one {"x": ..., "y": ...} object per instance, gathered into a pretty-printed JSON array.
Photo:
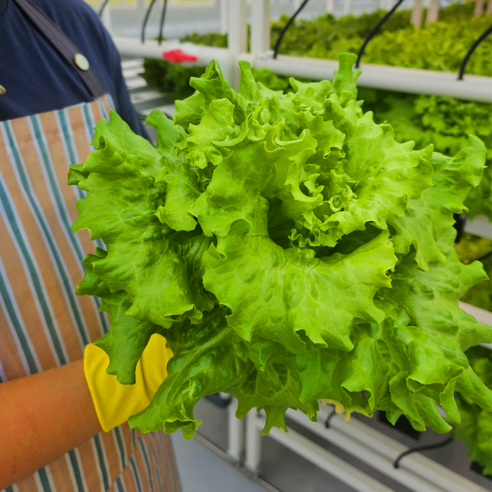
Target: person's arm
[
  {"x": 42, "y": 417},
  {"x": 45, "y": 415}
]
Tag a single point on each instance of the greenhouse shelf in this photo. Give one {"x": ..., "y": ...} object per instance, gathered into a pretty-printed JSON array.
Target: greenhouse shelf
[
  {"x": 416, "y": 472},
  {"x": 473, "y": 88},
  {"x": 327, "y": 461},
  {"x": 409, "y": 80}
]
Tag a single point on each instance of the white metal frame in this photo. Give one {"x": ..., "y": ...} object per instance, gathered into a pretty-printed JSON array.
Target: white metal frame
[
  {"x": 473, "y": 88},
  {"x": 235, "y": 447},
  {"x": 372, "y": 447}
]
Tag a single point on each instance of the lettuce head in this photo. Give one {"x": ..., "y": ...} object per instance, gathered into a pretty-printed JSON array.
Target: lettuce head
[{"x": 290, "y": 251}]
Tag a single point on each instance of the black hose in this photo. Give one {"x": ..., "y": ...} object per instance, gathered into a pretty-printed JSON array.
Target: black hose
[
  {"x": 396, "y": 464},
  {"x": 328, "y": 419},
  {"x": 375, "y": 30},
  {"x": 470, "y": 52},
  {"x": 163, "y": 18},
  {"x": 146, "y": 18},
  {"x": 284, "y": 30},
  {"x": 103, "y": 6}
]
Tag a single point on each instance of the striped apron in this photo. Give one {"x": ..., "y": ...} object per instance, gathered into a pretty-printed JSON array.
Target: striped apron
[{"x": 42, "y": 323}]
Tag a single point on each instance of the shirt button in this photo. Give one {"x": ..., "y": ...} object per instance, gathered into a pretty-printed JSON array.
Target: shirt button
[
  {"x": 81, "y": 61},
  {"x": 2, "y": 90}
]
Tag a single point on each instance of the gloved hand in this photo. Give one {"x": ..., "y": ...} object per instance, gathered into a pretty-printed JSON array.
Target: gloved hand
[{"x": 115, "y": 402}]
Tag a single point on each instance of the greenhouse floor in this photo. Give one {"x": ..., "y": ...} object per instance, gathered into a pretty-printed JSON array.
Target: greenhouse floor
[
  {"x": 202, "y": 469},
  {"x": 284, "y": 470}
]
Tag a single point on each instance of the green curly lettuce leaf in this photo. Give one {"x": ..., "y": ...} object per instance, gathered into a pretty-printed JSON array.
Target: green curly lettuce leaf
[
  {"x": 155, "y": 265},
  {"x": 269, "y": 238},
  {"x": 428, "y": 218},
  {"x": 446, "y": 123},
  {"x": 128, "y": 337},
  {"x": 475, "y": 429}
]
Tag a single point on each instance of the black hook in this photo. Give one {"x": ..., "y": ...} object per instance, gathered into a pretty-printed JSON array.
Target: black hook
[
  {"x": 396, "y": 463},
  {"x": 146, "y": 18},
  {"x": 470, "y": 52},
  {"x": 284, "y": 30},
  {"x": 375, "y": 30},
  {"x": 103, "y": 6},
  {"x": 163, "y": 18},
  {"x": 330, "y": 416}
]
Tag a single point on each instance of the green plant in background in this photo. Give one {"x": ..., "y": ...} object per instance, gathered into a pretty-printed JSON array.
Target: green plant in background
[
  {"x": 471, "y": 248},
  {"x": 216, "y": 40},
  {"x": 439, "y": 46},
  {"x": 174, "y": 79},
  {"x": 443, "y": 121},
  {"x": 319, "y": 35},
  {"x": 289, "y": 249},
  {"x": 171, "y": 78},
  {"x": 475, "y": 429}
]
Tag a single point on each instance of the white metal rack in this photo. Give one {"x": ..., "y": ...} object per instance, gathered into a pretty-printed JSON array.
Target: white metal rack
[
  {"x": 473, "y": 88},
  {"x": 416, "y": 472}
]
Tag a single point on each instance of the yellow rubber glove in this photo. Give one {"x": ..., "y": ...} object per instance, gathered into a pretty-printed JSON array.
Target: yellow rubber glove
[{"x": 115, "y": 402}]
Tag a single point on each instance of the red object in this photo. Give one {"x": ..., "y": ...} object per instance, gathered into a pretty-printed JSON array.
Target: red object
[{"x": 177, "y": 56}]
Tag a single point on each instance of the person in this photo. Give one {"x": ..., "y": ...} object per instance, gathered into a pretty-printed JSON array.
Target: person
[{"x": 62, "y": 418}]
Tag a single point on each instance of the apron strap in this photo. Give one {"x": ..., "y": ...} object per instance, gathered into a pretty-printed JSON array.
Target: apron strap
[{"x": 62, "y": 44}]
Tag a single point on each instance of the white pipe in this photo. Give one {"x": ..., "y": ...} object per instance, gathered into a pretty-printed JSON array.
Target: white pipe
[
  {"x": 346, "y": 7},
  {"x": 416, "y": 472},
  {"x": 433, "y": 12},
  {"x": 236, "y": 433},
  {"x": 253, "y": 442},
  {"x": 106, "y": 18},
  {"x": 473, "y": 88},
  {"x": 415, "y": 463},
  {"x": 327, "y": 461},
  {"x": 416, "y": 18},
  {"x": 260, "y": 26},
  {"x": 480, "y": 226},
  {"x": 481, "y": 315},
  {"x": 478, "y": 8},
  {"x": 237, "y": 33},
  {"x": 224, "y": 16}
]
